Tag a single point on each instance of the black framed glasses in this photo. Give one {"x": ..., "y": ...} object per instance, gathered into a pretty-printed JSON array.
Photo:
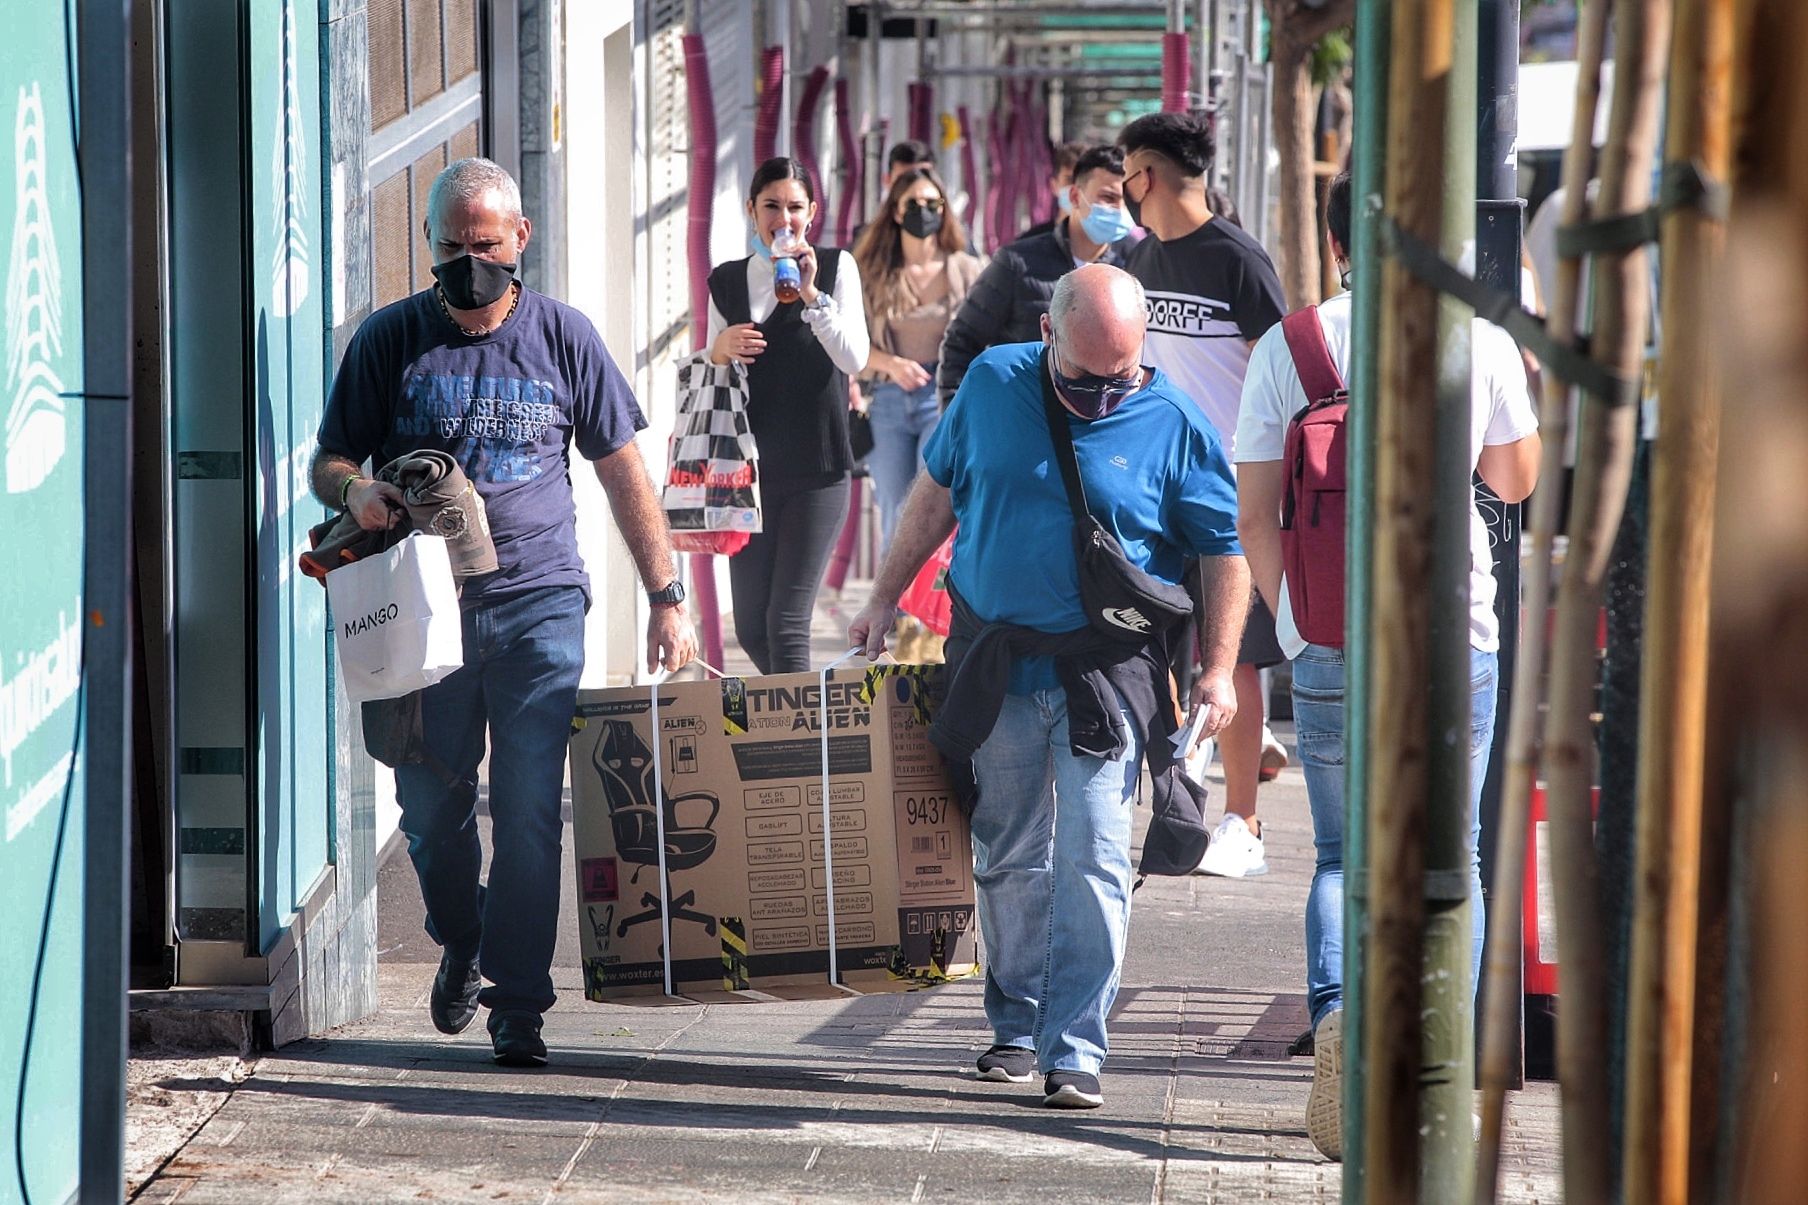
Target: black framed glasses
[
  {"x": 933, "y": 206},
  {"x": 1089, "y": 391}
]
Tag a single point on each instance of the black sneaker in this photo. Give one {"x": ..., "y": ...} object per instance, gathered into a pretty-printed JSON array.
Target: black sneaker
[
  {"x": 454, "y": 999},
  {"x": 1008, "y": 1065},
  {"x": 515, "y": 1038},
  {"x": 1071, "y": 1090}
]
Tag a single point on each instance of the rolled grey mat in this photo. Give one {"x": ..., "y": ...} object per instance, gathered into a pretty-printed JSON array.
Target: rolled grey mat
[{"x": 441, "y": 501}]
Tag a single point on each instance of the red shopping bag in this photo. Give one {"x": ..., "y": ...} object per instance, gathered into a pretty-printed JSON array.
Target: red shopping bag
[{"x": 926, "y": 598}]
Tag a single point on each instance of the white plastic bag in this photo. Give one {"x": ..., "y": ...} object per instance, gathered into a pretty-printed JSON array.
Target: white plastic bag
[{"x": 395, "y": 619}]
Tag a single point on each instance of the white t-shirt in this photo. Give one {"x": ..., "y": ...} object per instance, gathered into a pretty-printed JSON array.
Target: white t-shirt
[{"x": 1502, "y": 414}]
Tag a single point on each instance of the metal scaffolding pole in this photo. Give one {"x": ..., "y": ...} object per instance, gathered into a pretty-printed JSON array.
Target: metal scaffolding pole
[
  {"x": 1447, "y": 1038},
  {"x": 1368, "y": 164},
  {"x": 1498, "y": 223},
  {"x": 105, "y": 161}
]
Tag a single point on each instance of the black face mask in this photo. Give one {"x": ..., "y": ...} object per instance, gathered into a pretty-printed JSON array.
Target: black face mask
[
  {"x": 1134, "y": 207},
  {"x": 921, "y": 220},
  {"x": 471, "y": 283}
]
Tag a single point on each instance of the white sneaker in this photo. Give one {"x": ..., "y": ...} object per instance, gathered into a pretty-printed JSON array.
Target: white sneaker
[
  {"x": 1235, "y": 852},
  {"x": 1324, "y": 1104}
]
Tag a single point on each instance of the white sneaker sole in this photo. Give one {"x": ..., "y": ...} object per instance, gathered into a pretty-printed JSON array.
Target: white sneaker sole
[
  {"x": 998, "y": 1075},
  {"x": 1069, "y": 1097},
  {"x": 1219, "y": 872},
  {"x": 1324, "y": 1104}
]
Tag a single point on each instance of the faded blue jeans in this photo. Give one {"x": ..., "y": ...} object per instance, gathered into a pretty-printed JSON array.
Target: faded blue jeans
[
  {"x": 1318, "y": 714},
  {"x": 523, "y": 656},
  {"x": 903, "y": 420},
  {"x": 1051, "y": 846}
]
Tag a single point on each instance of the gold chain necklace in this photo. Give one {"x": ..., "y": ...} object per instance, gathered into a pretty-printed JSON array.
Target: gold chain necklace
[{"x": 439, "y": 295}]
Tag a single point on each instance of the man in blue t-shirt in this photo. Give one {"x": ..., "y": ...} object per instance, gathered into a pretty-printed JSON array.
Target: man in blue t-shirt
[
  {"x": 1051, "y": 829},
  {"x": 504, "y": 380}
]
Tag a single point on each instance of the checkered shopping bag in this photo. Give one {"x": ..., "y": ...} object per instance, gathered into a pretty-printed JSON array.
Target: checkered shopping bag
[{"x": 712, "y": 490}]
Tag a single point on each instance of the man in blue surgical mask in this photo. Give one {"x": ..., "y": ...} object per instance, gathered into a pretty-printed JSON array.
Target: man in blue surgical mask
[
  {"x": 1060, "y": 184},
  {"x": 1007, "y": 302}
]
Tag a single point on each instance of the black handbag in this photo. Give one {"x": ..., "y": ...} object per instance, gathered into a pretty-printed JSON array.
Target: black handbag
[
  {"x": 860, "y": 434},
  {"x": 1120, "y": 599}
]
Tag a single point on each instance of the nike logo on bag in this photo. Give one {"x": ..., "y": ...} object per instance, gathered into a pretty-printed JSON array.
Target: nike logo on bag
[{"x": 1128, "y": 618}]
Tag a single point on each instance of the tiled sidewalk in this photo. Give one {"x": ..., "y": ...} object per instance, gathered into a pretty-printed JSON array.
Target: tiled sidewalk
[{"x": 849, "y": 1099}]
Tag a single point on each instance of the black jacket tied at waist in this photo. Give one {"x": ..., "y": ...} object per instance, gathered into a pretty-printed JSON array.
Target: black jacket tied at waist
[{"x": 1095, "y": 672}]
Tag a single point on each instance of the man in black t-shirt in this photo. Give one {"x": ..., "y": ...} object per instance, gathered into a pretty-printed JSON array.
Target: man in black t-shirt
[
  {"x": 1212, "y": 293},
  {"x": 504, "y": 380}
]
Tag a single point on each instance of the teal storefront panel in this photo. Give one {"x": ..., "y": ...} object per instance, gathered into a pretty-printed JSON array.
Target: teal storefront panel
[
  {"x": 293, "y": 748},
  {"x": 247, "y": 350},
  {"x": 41, "y": 798}
]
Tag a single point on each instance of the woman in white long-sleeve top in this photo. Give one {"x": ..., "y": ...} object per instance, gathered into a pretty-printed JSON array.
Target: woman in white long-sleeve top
[{"x": 799, "y": 355}]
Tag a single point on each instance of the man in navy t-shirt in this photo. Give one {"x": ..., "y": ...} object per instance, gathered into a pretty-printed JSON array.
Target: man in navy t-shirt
[
  {"x": 1051, "y": 829},
  {"x": 505, "y": 380}
]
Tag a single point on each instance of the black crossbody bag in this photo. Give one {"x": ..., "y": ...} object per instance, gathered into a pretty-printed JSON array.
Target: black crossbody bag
[{"x": 1120, "y": 600}]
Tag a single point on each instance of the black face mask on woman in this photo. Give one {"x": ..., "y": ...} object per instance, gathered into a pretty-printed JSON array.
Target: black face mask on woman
[
  {"x": 920, "y": 220},
  {"x": 471, "y": 283}
]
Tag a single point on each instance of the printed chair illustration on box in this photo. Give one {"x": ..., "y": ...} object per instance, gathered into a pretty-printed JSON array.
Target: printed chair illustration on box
[{"x": 625, "y": 764}]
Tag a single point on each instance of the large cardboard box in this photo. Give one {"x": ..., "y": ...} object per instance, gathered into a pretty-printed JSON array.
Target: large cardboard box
[{"x": 739, "y": 777}]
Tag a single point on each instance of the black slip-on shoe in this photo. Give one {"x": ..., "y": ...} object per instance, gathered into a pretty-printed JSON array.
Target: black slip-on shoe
[
  {"x": 1008, "y": 1065},
  {"x": 454, "y": 999},
  {"x": 515, "y": 1038},
  {"x": 1071, "y": 1090}
]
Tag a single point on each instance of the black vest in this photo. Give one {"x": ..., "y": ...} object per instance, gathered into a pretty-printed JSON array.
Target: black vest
[{"x": 797, "y": 399}]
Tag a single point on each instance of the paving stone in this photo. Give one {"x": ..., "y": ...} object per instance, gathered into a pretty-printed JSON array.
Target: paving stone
[{"x": 865, "y": 1098}]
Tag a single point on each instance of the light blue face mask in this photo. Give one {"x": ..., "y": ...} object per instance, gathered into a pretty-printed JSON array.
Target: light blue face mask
[
  {"x": 1107, "y": 224},
  {"x": 759, "y": 246},
  {"x": 1063, "y": 201}
]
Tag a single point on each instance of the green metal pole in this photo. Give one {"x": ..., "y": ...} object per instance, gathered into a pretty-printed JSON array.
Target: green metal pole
[
  {"x": 1369, "y": 144},
  {"x": 1447, "y": 1072}
]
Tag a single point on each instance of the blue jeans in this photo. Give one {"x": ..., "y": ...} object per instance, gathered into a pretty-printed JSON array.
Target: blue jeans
[
  {"x": 903, "y": 420},
  {"x": 1051, "y": 846},
  {"x": 523, "y": 656},
  {"x": 1318, "y": 723}
]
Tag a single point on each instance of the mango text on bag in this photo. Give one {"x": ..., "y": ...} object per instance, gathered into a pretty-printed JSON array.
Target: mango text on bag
[{"x": 364, "y": 623}]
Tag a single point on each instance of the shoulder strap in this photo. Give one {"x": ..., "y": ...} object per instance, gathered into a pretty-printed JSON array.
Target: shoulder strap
[
  {"x": 1062, "y": 437},
  {"x": 1311, "y": 358},
  {"x": 828, "y": 259},
  {"x": 728, "y": 289}
]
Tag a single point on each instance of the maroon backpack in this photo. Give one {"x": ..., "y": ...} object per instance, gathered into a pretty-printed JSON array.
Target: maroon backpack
[{"x": 1312, "y": 507}]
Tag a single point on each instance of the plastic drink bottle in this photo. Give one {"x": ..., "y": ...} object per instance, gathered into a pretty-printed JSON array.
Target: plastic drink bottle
[{"x": 787, "y": 281}]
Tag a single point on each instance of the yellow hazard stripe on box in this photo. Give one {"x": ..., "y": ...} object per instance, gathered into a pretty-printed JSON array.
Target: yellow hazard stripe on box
[
  {"x": 734, "y": 953},
  {"x": 917, "y": 675}
]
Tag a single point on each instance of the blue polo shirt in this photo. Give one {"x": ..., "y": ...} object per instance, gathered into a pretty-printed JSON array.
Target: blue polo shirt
[{"x": 1156, "y": 477}]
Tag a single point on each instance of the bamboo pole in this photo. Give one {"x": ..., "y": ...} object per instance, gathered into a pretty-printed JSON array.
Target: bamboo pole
[
  {"x": 1501, "y": 977},
  {"x": 1750, "y": 1049},
  {"x": 1604, "y": 450},
  {"x": 1405, "y": 451},
  {"x": 1673, "y": 703}
]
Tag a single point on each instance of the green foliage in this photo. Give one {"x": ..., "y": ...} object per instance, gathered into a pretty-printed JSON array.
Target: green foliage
[{"x": 1331, "y": 57}]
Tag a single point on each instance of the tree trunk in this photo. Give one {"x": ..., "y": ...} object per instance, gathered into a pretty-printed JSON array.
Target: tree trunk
[
  {"x": 1295, "y": 32},
  {"x": 1294, "y": 112}
]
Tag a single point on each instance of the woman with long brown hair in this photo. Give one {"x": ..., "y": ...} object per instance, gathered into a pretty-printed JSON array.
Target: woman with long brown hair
[{"x": 915, "y": 270}]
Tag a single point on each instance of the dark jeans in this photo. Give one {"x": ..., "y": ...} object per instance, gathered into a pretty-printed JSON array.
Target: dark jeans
[
  {"x": 523, "y": 656},
  {"x": 776, "y": 577}
]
